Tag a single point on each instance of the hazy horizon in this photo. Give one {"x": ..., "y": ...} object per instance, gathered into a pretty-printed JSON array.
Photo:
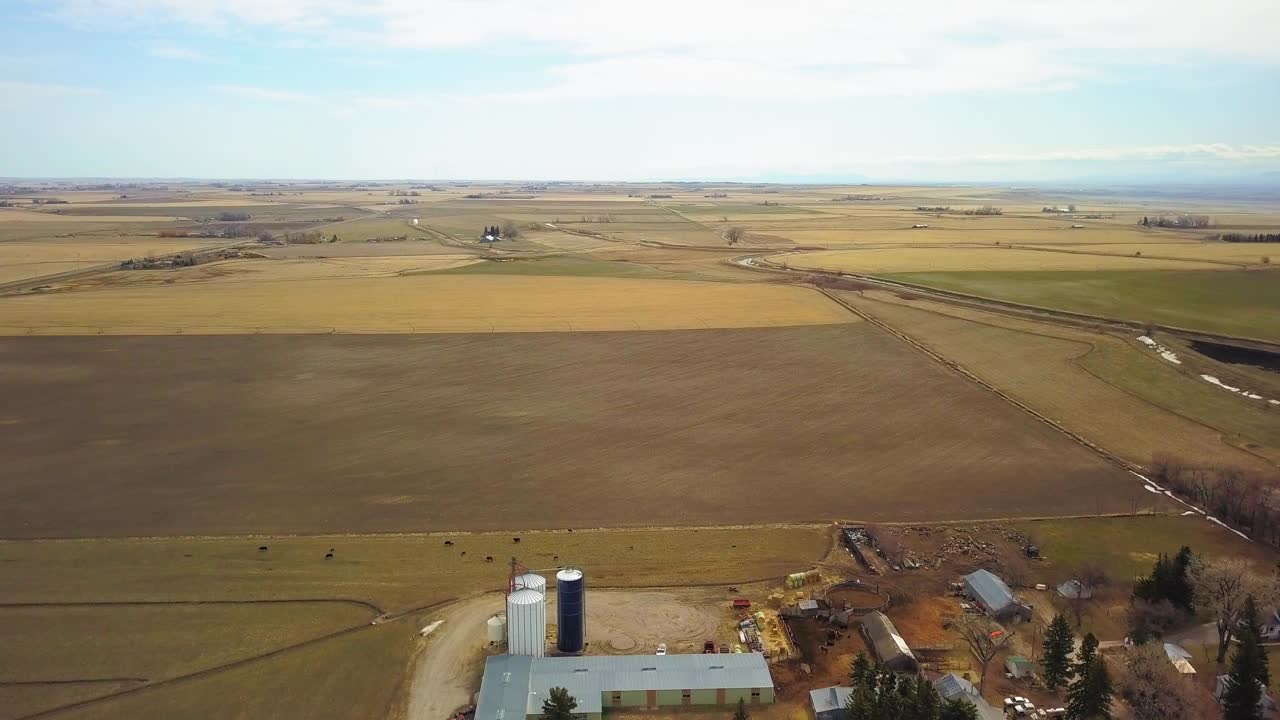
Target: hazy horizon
[{"x": 1001, "y": 91}]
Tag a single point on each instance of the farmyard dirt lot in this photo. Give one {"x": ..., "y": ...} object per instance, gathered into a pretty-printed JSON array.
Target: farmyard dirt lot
[{"x": 245, "y": 434}]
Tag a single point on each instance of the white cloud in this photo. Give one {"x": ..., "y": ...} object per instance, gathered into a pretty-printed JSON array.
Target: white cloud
[
  {"x": 19, "y": 94},
  {"x": 760, "y": 48},
  {"x": 261, "y": 93},
  {"x": 1189, "y": 152},
  {"x": 174, "y": 52}
]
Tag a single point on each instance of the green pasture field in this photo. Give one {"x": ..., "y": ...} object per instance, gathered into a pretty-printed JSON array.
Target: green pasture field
[{"x": 1239, "y": 303}]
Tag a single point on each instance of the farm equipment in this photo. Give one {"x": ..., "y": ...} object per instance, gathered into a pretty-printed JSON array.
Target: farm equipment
[{"x": 708, "y": 647}]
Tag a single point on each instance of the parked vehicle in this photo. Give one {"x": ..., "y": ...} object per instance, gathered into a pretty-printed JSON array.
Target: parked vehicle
[{"x": 662, "y": 649}]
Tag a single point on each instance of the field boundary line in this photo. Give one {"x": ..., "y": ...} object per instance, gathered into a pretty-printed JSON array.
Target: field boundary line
[
  {"x": 957, "y": 367},
  {"x": 391, "y": 617},
  {"x": 73, "y": 681},
  {"x": 763, "y": 263},
  {"x": 146, "y": 603},
  {"x": 1228, "y": 263},
  {"x": 1076, "y": 362}
]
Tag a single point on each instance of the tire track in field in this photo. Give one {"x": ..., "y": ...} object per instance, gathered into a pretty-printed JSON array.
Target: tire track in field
[{"x": 242, "y": 662}]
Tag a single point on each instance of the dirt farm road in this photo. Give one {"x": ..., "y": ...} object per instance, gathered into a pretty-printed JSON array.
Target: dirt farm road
[{"x": 441, "y": 681}]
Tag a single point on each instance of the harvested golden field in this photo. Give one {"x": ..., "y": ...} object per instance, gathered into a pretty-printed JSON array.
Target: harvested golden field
[
  {"x": 22, "y": 260},
  {"x": 1053, "y": 370},
  {"x": 409, "y": 304},
  {"x": 896, "y": 260},
  {"x": 485, "y": 431},
  {"x": 8, "y": 215},
  {"x": 322, "y": 268},
  {"x": 1243, "y": 253}
]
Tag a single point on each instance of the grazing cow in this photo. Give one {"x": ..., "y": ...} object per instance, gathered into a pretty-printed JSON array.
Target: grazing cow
[
  {"x": 328, "y": 556},
  {"x": 488, "y": 558},
  {"x": 262, "y": 548},
  {"x": 515, "y": 539},
  {"x": 448, "y": 542}
]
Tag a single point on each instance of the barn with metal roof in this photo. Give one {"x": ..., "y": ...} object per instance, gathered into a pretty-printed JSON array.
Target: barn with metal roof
[
  {"x": 952, "y": 686},
  {"x": 515, "y": 686},
  {"x": 994, "y": 597},
  {"x": 890, "y": 648}
]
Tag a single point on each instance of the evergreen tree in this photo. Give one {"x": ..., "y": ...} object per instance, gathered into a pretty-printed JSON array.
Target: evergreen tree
[
  {"x": 1089, "y": 697},
  {"x": 559, "y": 706},
  {"x": 1249, "y": 674},
  {"x": 741, "y": 712},
  {"x": 1180, "y": 592},
  {"x": 862, "y": 700},
  {"x": 959, "y": 709},
  {"x": 1058, "y": 644},
  {"x": 1088, "y": 651},
  {"x": 862, "y": 671},
  {"x": 925, "y": 703},
  {"x": 1169, "y": 580}
]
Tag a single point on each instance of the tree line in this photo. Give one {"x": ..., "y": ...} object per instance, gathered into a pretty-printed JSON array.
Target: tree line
[
  {"x": 1178, "y": 221},
  {"x": 1246, "y": 238},
  {"x": 1239, "y": 497}
]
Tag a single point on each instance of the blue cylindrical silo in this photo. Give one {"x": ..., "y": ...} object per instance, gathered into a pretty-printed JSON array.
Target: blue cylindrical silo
[{"x": 571, "y": 610}]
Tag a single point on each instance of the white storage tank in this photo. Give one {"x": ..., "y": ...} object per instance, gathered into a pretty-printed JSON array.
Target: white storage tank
[
  {"x": 496, "y": 629},
  {"x": 530, "y": 581},
  {"x": 527, "y": 622}
]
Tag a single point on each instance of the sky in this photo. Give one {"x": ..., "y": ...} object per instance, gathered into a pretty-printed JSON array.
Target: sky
[{"x": 913, "y": 90}]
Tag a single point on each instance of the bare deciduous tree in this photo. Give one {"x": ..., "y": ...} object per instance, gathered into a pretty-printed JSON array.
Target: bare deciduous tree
[
  {"x": 1220, "y": 587},
  {"x": 1154, "y": 690},
  {"x": 734, "y": 235},
  {"x": 983, "y": 637}
]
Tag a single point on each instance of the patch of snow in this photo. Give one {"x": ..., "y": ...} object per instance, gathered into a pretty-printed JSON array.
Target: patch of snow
[
  {"x": 1150, "y": 489},
  {"x": 428, "y": 629},
  {"x": 1245, "y": 393},
  {"x": 1215, "y": 381},
  {"x": 1165, "y": 352},
  {"x": 1189, "y": 512},
  {"x": 1216, "y": 521}
]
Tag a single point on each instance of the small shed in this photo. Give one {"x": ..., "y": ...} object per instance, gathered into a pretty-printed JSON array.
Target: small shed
[
  {"x": 1265, "y": 703},
  {"x": 890, "y": 648},
  {"x": 1180, "y": 658},
  {"x": 1019, "y": 667},
  {"x": 828, "y": 703},
  {"x": 1075, "y": 590}
]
